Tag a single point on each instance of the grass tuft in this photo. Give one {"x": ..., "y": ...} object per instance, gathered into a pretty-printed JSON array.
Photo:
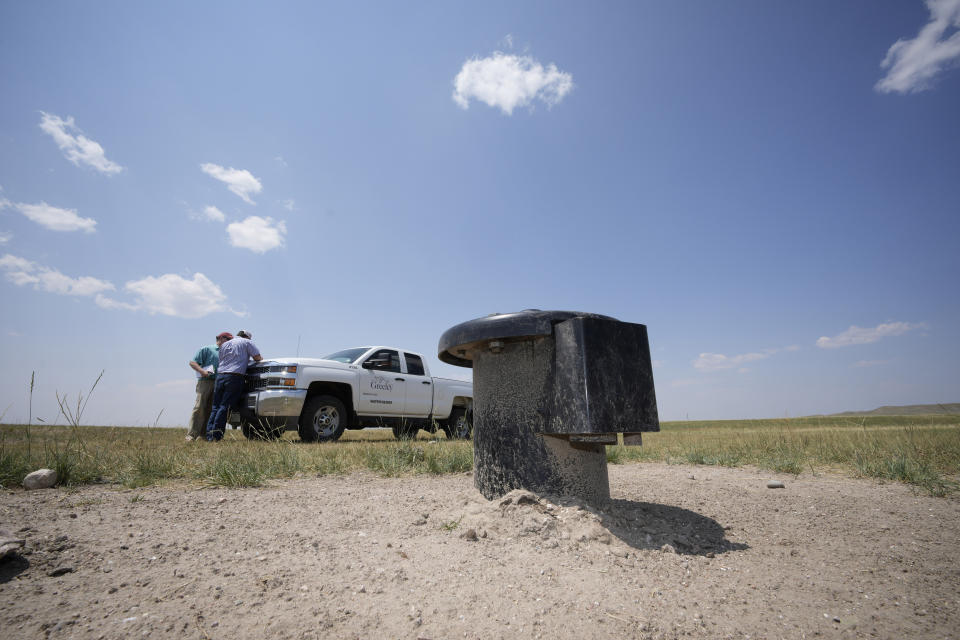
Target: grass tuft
[
  {"x": 233, "y": 467},
  {"x": 149, "y": 467}
]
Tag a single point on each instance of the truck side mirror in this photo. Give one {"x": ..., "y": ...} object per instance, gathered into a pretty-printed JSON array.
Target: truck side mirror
[{"x": 376, "y": 363}]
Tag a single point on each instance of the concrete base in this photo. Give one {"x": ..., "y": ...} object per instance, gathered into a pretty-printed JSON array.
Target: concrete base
[{"x": 509, "y": 450}]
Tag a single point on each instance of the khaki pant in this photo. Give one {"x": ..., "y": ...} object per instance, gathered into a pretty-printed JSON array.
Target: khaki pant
[{"x": 201, "y": 410}]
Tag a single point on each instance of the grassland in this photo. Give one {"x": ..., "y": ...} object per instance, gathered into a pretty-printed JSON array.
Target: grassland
[{"x": 919, "y": 450}]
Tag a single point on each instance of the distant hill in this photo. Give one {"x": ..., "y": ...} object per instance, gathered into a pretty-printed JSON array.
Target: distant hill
[{"x": 907, "y": 410}]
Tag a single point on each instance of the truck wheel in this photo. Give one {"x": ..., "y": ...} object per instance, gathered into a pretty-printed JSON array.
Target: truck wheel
[
  {"x": 323, "y": 419},
  {"x": 263, "y": 428},
  {"x": 457, "y": 426},
  {"x": 405, "y": 430}
]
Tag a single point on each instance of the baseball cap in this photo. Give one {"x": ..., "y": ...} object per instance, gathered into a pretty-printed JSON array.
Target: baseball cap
[{"x": 226, "y": 335}]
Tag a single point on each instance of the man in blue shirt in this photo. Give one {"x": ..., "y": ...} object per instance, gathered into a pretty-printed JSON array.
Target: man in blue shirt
[
  {"x": 234, "y": 354},
  {"x": 204, "y": 363}
]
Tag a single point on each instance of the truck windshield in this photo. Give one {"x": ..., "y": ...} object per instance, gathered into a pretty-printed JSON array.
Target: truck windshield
[{"x": 347, "y": 356}]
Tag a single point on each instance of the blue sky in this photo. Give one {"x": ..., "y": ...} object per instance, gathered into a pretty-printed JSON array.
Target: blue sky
[{"x": 773, "y": 188}]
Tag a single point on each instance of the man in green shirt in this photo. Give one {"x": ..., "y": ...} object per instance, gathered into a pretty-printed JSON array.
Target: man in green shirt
[{"x": 204, "y": 364}]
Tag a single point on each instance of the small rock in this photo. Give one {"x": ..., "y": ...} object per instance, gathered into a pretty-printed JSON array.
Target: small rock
[
  {"x": 775, "y": 484},
  {"x": 221, "y": 500},
  {"x": 836, "y": 619},
  {"x": 668, "y": 549},
  {"x": 9, "y": 544},
  {"x": 469, "y": 534},
  {"x": 519, "y": 497},
  {"x": 59, "y": 571},
  {"x": 40, "y": 479}
]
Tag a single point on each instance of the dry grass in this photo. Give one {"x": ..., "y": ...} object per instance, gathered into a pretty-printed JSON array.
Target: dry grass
[
  {"x": 920, "y": 450},
  {"x": 138, "y": 456}
]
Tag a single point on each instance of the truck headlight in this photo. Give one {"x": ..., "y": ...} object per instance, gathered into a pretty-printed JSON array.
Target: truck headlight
[{"x": 290, "y": 382}]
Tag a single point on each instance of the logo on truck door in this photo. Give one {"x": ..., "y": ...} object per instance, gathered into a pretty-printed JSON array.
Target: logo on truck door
[{"x": 380, "y": 384}]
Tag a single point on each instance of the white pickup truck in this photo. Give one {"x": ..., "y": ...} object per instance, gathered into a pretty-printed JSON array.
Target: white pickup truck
[{"x": 352, "y": 389}]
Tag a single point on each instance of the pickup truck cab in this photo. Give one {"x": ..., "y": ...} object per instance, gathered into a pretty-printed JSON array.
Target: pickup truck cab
[{"x": 352, "y": 389}]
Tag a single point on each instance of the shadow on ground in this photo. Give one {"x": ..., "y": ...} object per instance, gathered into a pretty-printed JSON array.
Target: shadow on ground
[
  {"x": 12, "y": 566},
  {"x": 646, "y": 525}
]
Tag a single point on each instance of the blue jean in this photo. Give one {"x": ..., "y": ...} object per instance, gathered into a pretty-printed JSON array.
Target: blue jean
[{"x": 227, "y": 393}]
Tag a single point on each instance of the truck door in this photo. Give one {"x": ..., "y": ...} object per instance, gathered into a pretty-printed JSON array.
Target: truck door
[
  {"x": 419, "y": 399},
  {"x": 382, "y": 384}
]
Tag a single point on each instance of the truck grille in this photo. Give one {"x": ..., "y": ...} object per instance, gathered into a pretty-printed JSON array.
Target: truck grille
[
  {"x": 256, "y": 371},
  {"x": 262, "y": 383}
]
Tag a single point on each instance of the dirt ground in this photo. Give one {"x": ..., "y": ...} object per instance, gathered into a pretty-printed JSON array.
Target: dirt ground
[{"x": 682, "y": 552}]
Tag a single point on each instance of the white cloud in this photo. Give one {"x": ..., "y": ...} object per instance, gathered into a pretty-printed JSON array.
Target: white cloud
[
  {"x": 21, "y": 271},
  {"x": 913, "y": 64},
  {"x": 171, "y": 295},
  {"x": 5, "y": 237},
  {"x": 257, "y": 234},
  {"x": 10, "y": 262},
  {"x": 214, "y": 214},
  {"x": 865, "y": 335},
  {"x": 719, "y": 361},
  {"x": 168, "y": 294},
  {"x": 77, "y": 148},
  {"x": 508, "y": 81},
  {"x": 239, "y": 181},
  {"x": 55, "y": 218},
  {"x": 289, "y": 204}
]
